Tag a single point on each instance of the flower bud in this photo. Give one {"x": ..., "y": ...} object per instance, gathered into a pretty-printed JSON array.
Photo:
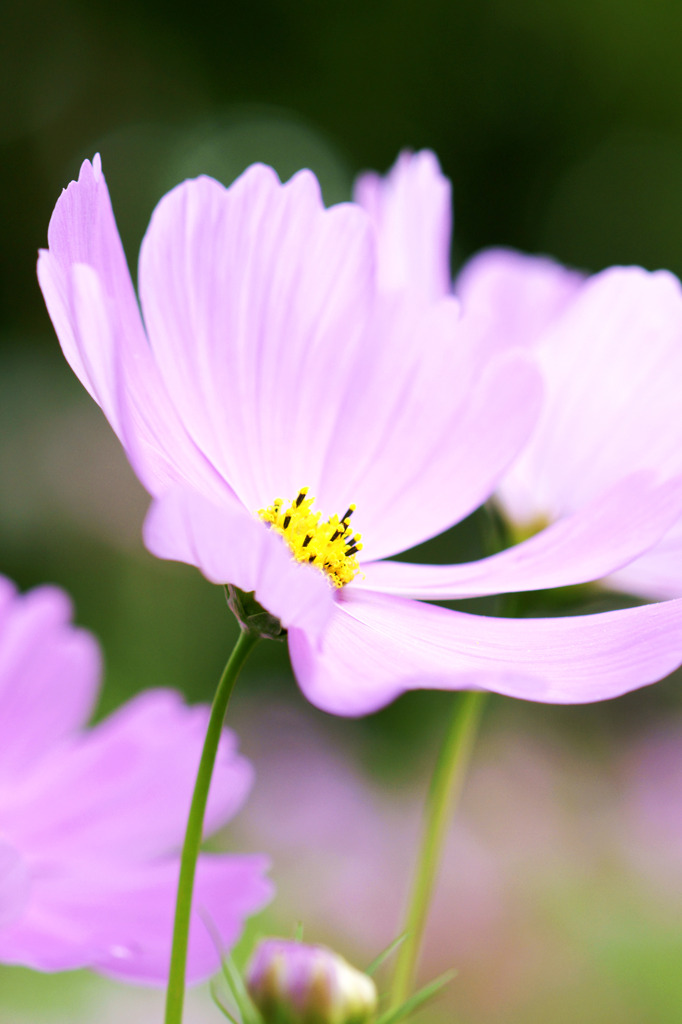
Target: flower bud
[{"x": 295, "y": 984}]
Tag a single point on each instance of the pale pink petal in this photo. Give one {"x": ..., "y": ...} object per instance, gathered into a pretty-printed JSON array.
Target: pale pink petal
[
  {"x": 82, "y": 230},
  {"x": 509, "y": 299},
  {"x": 14, "y": 885},
  {"x": 411, "y": 208},
  {"x": 256, "y": 300},
  {"x": 91, "y": 300},
  {"x": 228, "y": 889},
  {"x": 444, "y": 441},
  {"x": 612, "y": 364},
  {"x": 129, "y": 783},
  {"x": 298, "y": 376},
  {"x": 49, "y": 676},
  {"x": 656, "y": 574},
  {"x": 604, "y": 535},
  {"x": 231, "y": 546},
  {"x": 119, "y": 919},
  {"x": 378, "y": 646}
]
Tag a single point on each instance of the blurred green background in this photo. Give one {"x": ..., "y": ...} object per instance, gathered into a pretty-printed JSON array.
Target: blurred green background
[{"x": 561, "y": 127}]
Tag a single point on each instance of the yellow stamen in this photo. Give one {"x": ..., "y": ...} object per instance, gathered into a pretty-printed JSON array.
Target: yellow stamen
[{"x": 331, "y": 545}]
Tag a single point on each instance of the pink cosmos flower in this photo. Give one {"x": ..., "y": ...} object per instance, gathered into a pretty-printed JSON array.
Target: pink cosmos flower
[
  {"x": 276, "y": 352},
  {"x": 609, "y": 347},
  {"x": 91, "y": 819}
]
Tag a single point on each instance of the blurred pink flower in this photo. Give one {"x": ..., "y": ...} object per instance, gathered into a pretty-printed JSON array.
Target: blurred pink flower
[
  {"x": 609, "y": 347},
  {"x": 273, "y": 358},
  {"x": 91, "y": 819}
]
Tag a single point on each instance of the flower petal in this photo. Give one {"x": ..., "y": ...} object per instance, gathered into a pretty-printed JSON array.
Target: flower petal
[
  {"x": 378, "y": 646},
  {"x": 231, "y": 546},
  {"x": 656, "y": 574},
  {"x": 49, "y": 676},
  {"x": 587, "y": 545},
  {"x": 83, "y": 231},
  {"x": 612, "y": 363},
  {"x": 91, "y": 300},
  {"x": 119, "y": 919},
  {"x": 298, "y": 375},
  {"x": 256, "y": 298},
  {"x": 611, "y": 353},
  {"x": 411, "y": 208},
  {"x": 129, "y": 783},
  {"x": 448, "y": 432},
  {"x": 509, "y": 299},
  {"x": 15, "y": 884},
  {"x": 228, "y": 889}
]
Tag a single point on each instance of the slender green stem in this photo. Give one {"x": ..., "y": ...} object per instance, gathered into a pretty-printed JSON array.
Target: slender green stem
[
  {"x": 195, "y": 824},
  {"x": 446, "y": 786}
]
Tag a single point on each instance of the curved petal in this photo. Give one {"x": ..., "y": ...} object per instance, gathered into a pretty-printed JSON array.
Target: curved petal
[
  {"x": 231, "y": 546},
  {"x": 509, "y": 299},
  {"x": 228, "y": 889},
  {"x": 411, "y": 208},
  {"x": 446, "y": 440},
  {"x": 612, "y": 363},
  {"x": 600, "y": 538},
  {"x": 657, "y": 574},
  {"x": 378, "y": 646},
  {"x": 91, "y": 301},
  {"x": 129, "y": 783},
  {"x": 119, "y": 920},
  {"x": 256, "y": 298},
  {"x": 49, "y": 676},
  {"x": 298, "y": 375},
  {"x": 82, "y": 230}
]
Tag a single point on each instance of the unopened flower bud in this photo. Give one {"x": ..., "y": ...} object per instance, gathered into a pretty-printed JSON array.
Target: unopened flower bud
[{"x": 295, "y": 984}]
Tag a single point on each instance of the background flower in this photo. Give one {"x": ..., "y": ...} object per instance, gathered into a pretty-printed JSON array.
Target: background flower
[
  {"x": 610, "y": 348},
  {"x": 92, "y": 820}
]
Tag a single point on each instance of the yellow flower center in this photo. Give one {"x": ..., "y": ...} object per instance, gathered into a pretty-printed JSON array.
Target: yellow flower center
[{"x": 331, "y": 545}]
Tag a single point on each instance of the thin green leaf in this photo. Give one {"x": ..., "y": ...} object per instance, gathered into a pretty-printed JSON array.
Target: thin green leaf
[
  {"x": 417, "y": 1000},
  {"x": 298, "y": 931},
  {"x": 249, "y": 1012},
  {"x": 384, "y": 955},
  {"x": 220, "y": 1004}
]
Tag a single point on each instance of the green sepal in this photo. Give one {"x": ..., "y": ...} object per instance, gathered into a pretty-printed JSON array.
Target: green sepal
[
  {"x": 251, "y": 615},
  {"x": 249, "y": 1012},
  {"x": 217, "y": 999}
]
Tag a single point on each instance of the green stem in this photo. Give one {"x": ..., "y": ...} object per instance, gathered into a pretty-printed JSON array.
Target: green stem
[
  {"x": 175, "y": 996},
  {"x": 446, "y": 786}
]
